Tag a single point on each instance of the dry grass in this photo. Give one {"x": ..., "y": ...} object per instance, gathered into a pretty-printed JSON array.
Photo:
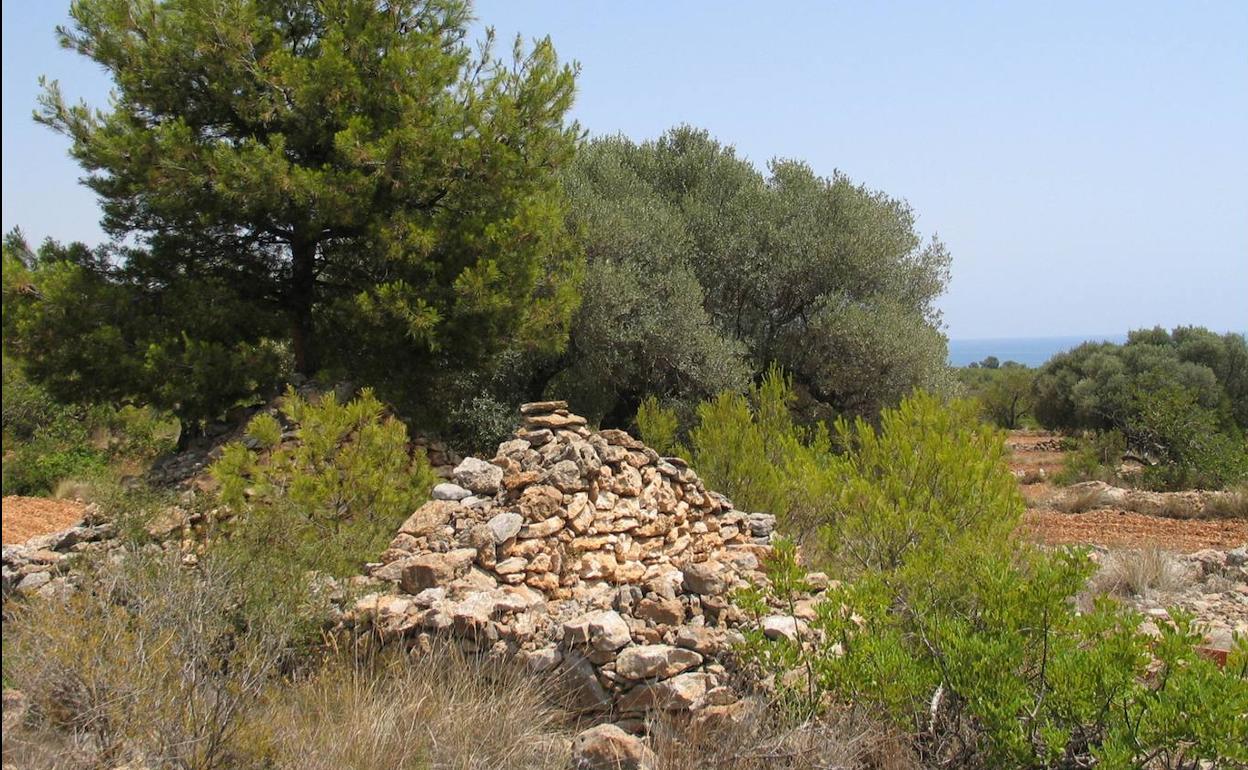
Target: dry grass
[
  {"x": 1135, "y": 572},
  {"x": 1082, "y": 501},
  {"x": 1177, "y": 507},
  {"x": 150, "y": 661},
  {"x": 1232, "y": 504},
  {"x": 438, "y": 709},
  {"x": 758, "y": 738},
  {"x": 1033, "y": 476}
]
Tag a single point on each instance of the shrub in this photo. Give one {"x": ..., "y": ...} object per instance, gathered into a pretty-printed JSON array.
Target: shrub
[
  {"x": 659, "y": 427},
  {"x": 46, "y": 442},
  {"x": 1093, "y": 458},
  {"x": 751, "y": 448},
  {"x": 330, "y": 499},
  {"x": 1187, "y": 440},
  {"x": 968, "y": 639},
  {"x": 931, "y": 477},
  {"x": 481, "y": 423},
  {"x": 1082, "y": 500},
  {"x": 151, "y": 660},
  {"x": 36, "y": 467},
  {"x": 1180, "y": 398}
]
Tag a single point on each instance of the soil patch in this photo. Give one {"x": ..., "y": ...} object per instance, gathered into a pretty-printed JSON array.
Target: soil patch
[
  {"x": 26, "y": 517},
  {"x": 1110, "y": 528}
]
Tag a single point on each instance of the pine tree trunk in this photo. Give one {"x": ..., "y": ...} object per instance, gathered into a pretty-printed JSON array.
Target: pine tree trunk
[{"x": 302, "y": 298}]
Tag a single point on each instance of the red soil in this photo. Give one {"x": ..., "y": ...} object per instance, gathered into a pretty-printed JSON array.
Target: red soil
[{"x": 26, "y": 517}]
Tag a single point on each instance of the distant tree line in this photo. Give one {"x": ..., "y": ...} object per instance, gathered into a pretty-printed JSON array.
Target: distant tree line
[{"x": 1179, "y": 399}]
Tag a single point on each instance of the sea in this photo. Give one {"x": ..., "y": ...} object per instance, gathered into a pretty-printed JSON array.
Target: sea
[{"x": 1031, "y": 351}]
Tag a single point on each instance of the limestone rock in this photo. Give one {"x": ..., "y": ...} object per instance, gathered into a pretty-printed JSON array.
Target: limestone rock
[
  {"x": 542, "y": 407},
  {"x": 505, "y": 526},
  {"x": 434, "y": 569},
  {"x": 607, "y": 747},
  {"x": 448, "y": 491},
  {"x": 705, "y": 578},
  {"x": 786, "y": 626},
  {"x": 654, "y": 660},
  {"x": 478, "y": 475},
  {"x": 429, "y": 517},
  {"x": 679, "y": 693},
  {"x": 604, "y": 630}
]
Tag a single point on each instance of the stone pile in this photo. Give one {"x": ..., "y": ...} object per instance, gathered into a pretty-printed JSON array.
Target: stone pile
[
  {"x": 585, "y": 555},
  {"x": 41, "y": 565}
]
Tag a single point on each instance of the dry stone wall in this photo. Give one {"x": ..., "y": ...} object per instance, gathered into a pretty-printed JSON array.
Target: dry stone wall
[{"x": 585, "y": 555}]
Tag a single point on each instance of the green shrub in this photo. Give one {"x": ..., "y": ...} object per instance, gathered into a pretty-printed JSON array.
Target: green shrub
[
  {"x": 931, "y": 478},
  {"x": 1093, "y": 458},
  {"x": 479, "y": 424},
  {"x": 330, "y": 499},
  {"x": 47, "y": 442},
  {"x": 1179, "y": 398},
  {"x": 967, "y": 638},
  {"x": 660, "y": 427},
  {"x": 35, "y": 468},
  {"x": 1187, "y": 440},
  {"x": 752, "y": 449}
]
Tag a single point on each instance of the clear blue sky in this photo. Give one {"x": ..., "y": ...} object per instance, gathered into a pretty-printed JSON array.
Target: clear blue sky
[{"x": 1086, "y": 163}]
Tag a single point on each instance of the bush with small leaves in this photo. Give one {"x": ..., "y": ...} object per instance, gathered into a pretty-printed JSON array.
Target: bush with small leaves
[
  {"x": 967, "y": 638},
  {"x": 659, "y": 427},
  {"x": 331, "y": 498}
]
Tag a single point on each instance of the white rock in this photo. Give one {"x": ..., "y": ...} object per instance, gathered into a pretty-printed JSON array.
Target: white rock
[
  {"x": 505, "y": 526},
  {"x": 449, "y": 491}
]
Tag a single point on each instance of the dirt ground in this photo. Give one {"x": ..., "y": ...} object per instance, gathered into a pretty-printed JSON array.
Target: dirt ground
[
  {"x": 1033, "y": 451},
  {"x": 1124, "y": 529},
  {"x": 25, "y": 517}
]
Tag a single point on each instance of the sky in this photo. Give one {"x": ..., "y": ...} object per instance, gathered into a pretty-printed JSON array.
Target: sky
[{"x": 1086, "y": 164}]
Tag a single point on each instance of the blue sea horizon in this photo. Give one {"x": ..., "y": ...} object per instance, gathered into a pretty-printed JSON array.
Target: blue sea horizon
[{"x": 1030, "y": 351}]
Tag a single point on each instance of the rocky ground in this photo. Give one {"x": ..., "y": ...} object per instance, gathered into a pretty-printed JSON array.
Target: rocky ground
[
  {"x": 1156, "y": 550},
  {"x": 1120, "y": 519}
]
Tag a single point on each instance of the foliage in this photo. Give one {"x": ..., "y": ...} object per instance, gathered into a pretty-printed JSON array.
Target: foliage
[
  {"x": 1095, "y": 457},
  {"x": 331, "y": 498},
  {"x": 659, "y": 427},
  {"x": 192, "y": 347},
  {"x": 967, "y": 638},
  {"x": 752, "y": 449},
  {"x": 1185, "y": 438},
  {"x": 931, "y": 477},
  {"x": 1004, "y": 391},
  {"x": 1180, "y": 398},
  {"x": 703, "y": 272},
  {"x": 352, "y": 180},
  {"x": 46, "y": 442}
]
